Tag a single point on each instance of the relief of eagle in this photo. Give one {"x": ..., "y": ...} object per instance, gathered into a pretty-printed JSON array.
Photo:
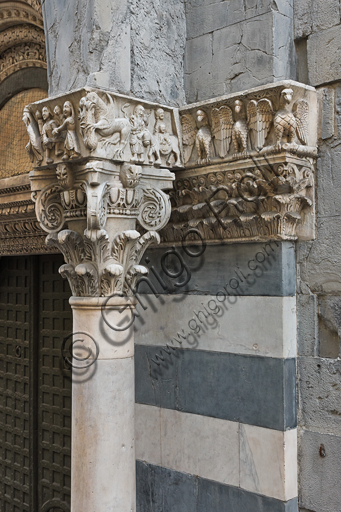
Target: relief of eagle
[
  {"x": 291, "y": 122},
  {"x": 197, "y": 131}
]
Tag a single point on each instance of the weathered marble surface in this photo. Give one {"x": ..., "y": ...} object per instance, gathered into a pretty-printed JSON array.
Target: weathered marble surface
[
  {"x": 259, "y": 460},
  {"x": 126, "y": 46},
  {"x": 223, "y": 328}
]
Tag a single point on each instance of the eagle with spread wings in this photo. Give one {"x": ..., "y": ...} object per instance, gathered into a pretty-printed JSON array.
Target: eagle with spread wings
[
  {"x": 291, "y": 122},
  {"x": 260, "y": 117},
  {"x": 197, "y": 131}
]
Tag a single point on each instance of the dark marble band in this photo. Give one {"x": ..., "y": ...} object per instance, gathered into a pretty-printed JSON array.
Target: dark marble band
[
  {"x": 250, "y": 389},
  {"x": 266, "y": 269},
  {"x": 159, "y": 488}
]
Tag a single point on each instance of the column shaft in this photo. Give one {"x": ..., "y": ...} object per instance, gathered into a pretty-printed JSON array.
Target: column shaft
[{"x": 103, "y": 450}]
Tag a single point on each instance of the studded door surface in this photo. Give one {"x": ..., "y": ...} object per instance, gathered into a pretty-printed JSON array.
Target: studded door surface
[
  {"x": 15, "y": 274},
  {"x": 35, "y": 391},
  {"x": 54, "y": 397}
]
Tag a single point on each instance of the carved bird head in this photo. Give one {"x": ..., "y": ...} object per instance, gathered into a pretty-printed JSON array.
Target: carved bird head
[
  {"x": 238, "y": 105},
  {"x": 287, "y": 95},
  {"x": 202, "y": 117}
]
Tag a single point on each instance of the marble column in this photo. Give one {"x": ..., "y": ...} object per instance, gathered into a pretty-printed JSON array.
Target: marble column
[{"x": 103, "y": 445}]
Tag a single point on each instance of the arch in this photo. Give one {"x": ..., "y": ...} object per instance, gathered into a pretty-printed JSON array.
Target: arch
[{"x": 22, "y": 39}]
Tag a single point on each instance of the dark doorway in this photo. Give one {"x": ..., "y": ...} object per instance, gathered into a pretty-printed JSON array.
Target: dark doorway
[{"x": 35, "y": 388}]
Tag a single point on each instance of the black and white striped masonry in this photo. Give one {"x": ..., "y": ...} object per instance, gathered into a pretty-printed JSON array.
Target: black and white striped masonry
[{"x": 216, "y": 415}]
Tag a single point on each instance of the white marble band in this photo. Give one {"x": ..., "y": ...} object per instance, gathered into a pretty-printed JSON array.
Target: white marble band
[
  {"x": 263, "y": 326},
  {"x": 256, "y": 459}
]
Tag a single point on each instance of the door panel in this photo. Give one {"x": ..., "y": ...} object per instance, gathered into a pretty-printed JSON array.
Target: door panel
[
  {"x": 54, "y": 397},
  {"x": 35, "y": 390},
  {"x": 14, "y": 384}
]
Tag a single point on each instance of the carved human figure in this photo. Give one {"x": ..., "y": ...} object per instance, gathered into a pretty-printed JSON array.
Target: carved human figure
[
  {"x": 140, "y": 136},
  {"x": 239, "y": 130},
  {"x": 71, "y": 145},
  {"x": 40, "y": 121},
  {"x": 34, "y": 147},
  {"x": 291, "y": 120},
  {"x": 58, "y": 116},
  {"x": 159, "y": 119},
  {"x": 49, "y": 138},
  {"x": 168, "y": 145},
  {"x": 152, "y": 144}
]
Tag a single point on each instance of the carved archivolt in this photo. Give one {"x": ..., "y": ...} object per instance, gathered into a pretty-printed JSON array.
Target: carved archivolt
[
  {"x": 22, "y": 56},
  {"x": 22, "y": 40},
  {"x": 20, "y": 232},
  {"x": 21, "y": 34},
  {"x": 16, "y": 13}
]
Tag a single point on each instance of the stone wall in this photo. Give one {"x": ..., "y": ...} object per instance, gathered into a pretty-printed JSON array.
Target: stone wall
[
  {"x": 125, "y": 46},
  {"x": 233, "y": 45},
  {"x": 215, "y": 376},
  {"x": 318, "y": 41}
]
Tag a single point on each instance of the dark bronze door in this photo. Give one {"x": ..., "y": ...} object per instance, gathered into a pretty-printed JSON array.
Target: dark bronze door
[{"x": 35, "y": 390}]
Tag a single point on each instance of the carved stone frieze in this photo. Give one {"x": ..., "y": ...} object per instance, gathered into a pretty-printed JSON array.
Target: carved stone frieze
[
  {"x": 262, "y": 121},
  {"x": 100, "y": 168},
  {"x": 265, "y": 198},
  {"x": 92, "y": 123},
  {"x": 244, "y": 167},
  {"x": 250, "y": 165},
  {"x": 20, "y": 232}
]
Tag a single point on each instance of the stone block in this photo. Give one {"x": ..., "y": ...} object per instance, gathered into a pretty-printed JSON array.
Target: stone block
[
  {"x": 302, "y": 18},
  {"x": 323, "y": 62},
  {"x": 269, "y": 270},
  {"x": 207, "y": 18},
  {"x": 307, "y": 328},
  {"x": 320, "y": 261},
  {"x": 148, "y": 434},
  {"x": 325, "y": 14},
  {"x": 326, "y": 97},
  {"x": 158, "y": 38},
  {"x": 319, "y": 394},
  {"x": 338, "y": 109},
  {"x": 329, "y": 326},
  {"x": 263, "y": 326},
  {"x": 284, "y": 65},
  {"x": 246, "y": 52},
  {"x": 199, "y": 445},
  {"x": 328, "y": 181},
  {"x": 320, "y": 471},
  {"x": 136, "y": 48},
  {"x": 251, "y": 389},
  {"x": 268, "y": 462},
  {"x": 165, "y": 489}
]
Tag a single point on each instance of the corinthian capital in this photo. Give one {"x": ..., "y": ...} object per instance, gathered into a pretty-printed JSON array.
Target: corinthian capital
[{"x": 101, "y": 163}]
